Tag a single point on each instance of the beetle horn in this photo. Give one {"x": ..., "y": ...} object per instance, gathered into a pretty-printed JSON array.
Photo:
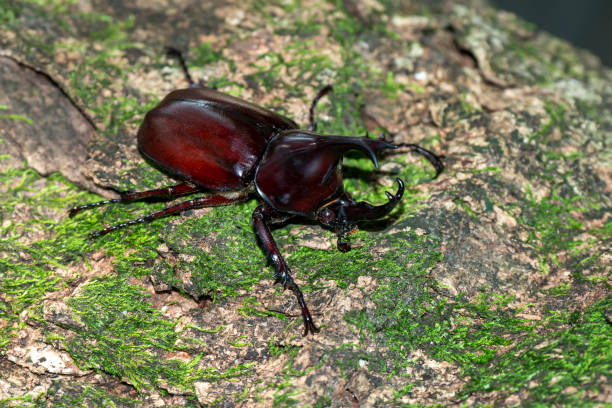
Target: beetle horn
[{"x": 356, "y": 211}]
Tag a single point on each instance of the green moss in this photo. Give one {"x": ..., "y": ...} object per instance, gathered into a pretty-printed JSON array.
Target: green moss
[
  {"x": 304, "y": 27},
  {"x": 554, "y": 225},
  {"x": 12, "y": 116},
  {"x": 9, "y": 14},
  {"x": 130, "y": 248},
  {"x": 323, "y": 401},
  {"x": 251, "y": 307},
  {"x": 205, "y": 54},
  {"x": 285, "y": 396},
  {"x": 98, "y": 72},
  {"x": 230, "y": 241},
  {"x": 465, "y": 206},
  {"x": 444, "y": 327},
  {"x": 286, "y": 393},
  {"x": 125, "y": 336},
  {"x": 402, "y": 294},
  {"x": 76, "y": 394},
  {"x": 567, "y": 359},
  {"x": 555, "y": 221},
  {"x": 351, "y": 76},
  {"x": 25, "y": 401},
  {"x": 26, "y": 267}
]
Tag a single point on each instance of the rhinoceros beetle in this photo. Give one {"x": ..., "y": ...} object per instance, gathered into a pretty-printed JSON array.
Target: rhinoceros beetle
[{"x": 218, "y": 143}]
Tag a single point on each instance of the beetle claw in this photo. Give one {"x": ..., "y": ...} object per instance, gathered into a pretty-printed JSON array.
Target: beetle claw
[
  {"x": 281, "y": 278},
  {"x": 309, "y": 326},
  {"x": 343, "y": 243}
]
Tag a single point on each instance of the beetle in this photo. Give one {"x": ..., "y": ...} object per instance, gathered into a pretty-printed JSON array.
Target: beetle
[{"x": 214, "y": 142}]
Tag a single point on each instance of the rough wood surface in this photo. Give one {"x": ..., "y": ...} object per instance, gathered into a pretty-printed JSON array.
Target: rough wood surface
[{"x": 489, "y": 286}]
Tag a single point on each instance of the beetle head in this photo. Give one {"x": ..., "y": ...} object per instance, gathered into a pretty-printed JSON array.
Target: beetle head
[
  {"x": 343, "y": 214},
  {"x": 299, "y": 174}
]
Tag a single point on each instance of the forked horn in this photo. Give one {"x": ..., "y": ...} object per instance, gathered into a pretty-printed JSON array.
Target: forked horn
[{"x": 357, "y": 211}]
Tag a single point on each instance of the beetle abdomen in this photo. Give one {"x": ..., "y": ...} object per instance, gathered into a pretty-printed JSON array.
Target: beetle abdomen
[{"x": 210, "y": 139}]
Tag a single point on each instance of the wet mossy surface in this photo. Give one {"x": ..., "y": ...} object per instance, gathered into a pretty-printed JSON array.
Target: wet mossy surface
[{"x": 488, "y": 286}]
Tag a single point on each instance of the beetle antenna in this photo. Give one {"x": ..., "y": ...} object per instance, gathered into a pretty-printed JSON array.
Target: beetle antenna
[
  {"x": 433, "y": 158},
  {"x": 322, "y": 92},
  {"x": 176, "y": 53}
]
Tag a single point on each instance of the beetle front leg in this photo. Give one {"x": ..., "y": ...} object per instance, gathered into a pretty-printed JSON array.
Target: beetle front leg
[
  {"x": 262, "y": 214},
  {"x": 312, "y": 126},
  {"x": 343, "y": 243},
  {"x": 433, "y": 158}
]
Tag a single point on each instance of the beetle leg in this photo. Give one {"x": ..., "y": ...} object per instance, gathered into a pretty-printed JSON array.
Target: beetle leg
[
  {"x": 324, "y": 91},
  {"x": 176, "y": 53},
  {"x": 200, "y": 202},
  {"x": 344, "y": 242},
  {"x": 433, "y": 158},
  {"x": 166, "y": 194},
  {"x": 262, "y": 214}
]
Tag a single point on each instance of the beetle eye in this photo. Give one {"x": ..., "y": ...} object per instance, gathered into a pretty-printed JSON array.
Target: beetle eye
[{"x": 327, "y": 216}]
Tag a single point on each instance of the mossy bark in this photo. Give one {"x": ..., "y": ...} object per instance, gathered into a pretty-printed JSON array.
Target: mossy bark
[{"x": 489, "y": 285}]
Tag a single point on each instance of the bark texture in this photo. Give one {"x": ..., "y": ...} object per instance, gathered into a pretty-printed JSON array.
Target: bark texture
[{"x": 488, "y": 285}]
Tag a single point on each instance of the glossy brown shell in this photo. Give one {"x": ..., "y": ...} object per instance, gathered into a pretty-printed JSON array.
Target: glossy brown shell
[{"x": 209, "y": 138}]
